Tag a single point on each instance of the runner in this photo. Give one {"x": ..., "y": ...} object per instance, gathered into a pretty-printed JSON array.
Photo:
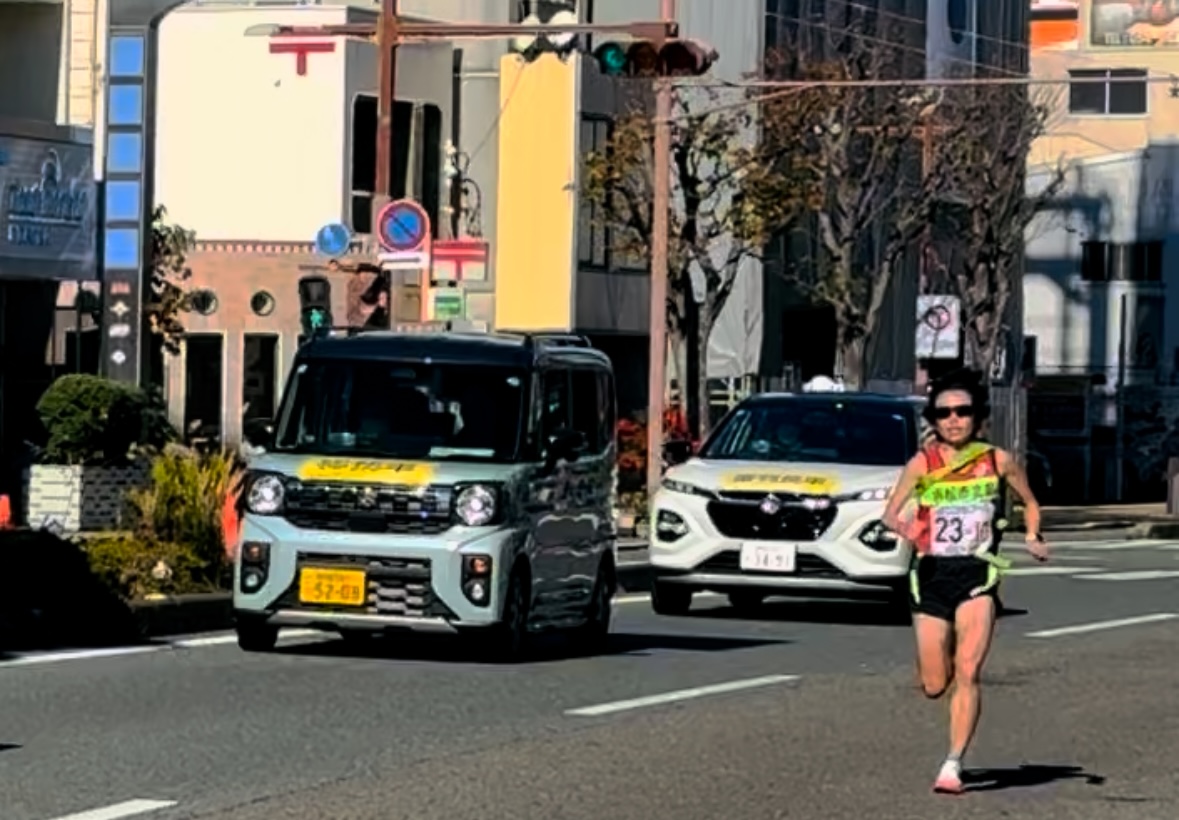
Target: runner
[{"x": 958, "y": 483}]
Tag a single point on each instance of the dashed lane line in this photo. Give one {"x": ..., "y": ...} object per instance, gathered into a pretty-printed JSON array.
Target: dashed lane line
[
  {"x": 129, "y": 808},
  {"x": 678, "y": 695},
  {"x": 1099, "y": 626}
]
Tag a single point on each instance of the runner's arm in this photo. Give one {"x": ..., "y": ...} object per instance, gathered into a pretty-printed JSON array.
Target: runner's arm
[
  {"x": 901, "y": 491},
  {"x": 1017, "y": 479}
]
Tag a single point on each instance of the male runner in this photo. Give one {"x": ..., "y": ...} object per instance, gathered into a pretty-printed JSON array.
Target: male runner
[{"x": 959, "y": 483}]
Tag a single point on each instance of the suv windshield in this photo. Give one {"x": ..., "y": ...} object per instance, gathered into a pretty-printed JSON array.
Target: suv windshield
[
  {"x": 816, "y": 430},
  {"x": 403, "y": 410}
]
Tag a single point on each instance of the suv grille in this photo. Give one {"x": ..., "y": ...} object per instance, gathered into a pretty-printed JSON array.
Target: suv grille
[
  {"x": 743, "y": 518},
  {"x": 368, "y": 509}
]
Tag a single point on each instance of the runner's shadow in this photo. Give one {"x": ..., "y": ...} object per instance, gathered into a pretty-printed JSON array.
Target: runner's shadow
[
  {"x": 1024, "y": 776},
  {"x": 4, "y": 747}
]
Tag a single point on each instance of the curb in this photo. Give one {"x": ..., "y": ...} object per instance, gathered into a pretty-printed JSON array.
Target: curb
[{"x": 184, "y": 614}]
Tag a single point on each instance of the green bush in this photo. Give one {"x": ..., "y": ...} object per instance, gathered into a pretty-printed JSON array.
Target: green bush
[
  {"x": 90, "y": 420},
  {"x": 184, "y": 502},
  {"x": 135, "y": 568}
]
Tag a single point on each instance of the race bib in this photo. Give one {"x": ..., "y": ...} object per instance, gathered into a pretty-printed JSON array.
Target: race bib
[{"x": 957, "y": 531}]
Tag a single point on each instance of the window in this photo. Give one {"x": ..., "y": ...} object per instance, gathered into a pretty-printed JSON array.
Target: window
[
  {"x": 835, "y": 431},
  {"x": 555, "y": 410},
  {"x": 203, "y": 371},
  {"x": 1122, "y": 262},
  {"x": 259, "y": 376},
  {"x": 391, "y": 409},
  {"x": 1123, "y": 91},
  {"x": 592, "y": 236},
  {"x": 587, "y": 411}
]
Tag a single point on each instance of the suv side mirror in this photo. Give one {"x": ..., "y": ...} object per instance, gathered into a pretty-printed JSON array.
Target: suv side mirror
[
  {"x": 258, "y": 433},
  {"x": 677, "y": 452},
  {"x": 564, "y": 444}
]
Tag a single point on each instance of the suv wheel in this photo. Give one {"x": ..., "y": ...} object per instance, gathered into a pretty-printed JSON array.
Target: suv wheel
[
  {"x": 595, "y": 633},
  {"x": 508, "y": 641}
]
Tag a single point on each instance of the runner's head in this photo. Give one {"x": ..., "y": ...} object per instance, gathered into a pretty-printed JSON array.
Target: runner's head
[{"x": 958, "y": 406}]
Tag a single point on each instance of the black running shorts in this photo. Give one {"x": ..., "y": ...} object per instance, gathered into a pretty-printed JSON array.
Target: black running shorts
[{"x": 944, "y": 584}]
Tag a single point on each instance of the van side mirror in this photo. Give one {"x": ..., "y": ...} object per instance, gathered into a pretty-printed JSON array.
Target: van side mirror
[
  {"x": 677, "y": 452},
  {"x": 564, "y": 444},
  {"x": 258, "y": 433}
]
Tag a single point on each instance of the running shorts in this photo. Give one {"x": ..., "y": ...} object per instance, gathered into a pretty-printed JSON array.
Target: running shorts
[{"x": 943, "y": 584}]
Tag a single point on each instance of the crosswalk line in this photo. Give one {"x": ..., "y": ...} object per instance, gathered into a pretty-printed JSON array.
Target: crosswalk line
[{"x": 1132, "y": 575}]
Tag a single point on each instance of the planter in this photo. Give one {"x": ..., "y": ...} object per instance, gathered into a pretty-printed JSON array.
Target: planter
[{"x": 70, "y": 499}]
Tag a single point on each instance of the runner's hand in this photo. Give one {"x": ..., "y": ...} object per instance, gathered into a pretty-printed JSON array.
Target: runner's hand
[{"x": 1038, "y": 548}]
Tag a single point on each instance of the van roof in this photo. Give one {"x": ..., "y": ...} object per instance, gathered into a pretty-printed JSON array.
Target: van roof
[{"x": 500, "y": 348}]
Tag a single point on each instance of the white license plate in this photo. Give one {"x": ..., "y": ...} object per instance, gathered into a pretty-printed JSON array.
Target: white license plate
[{"x": 768, "y": 557}]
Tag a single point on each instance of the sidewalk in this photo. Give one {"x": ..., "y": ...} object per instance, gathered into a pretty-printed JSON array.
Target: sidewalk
[{"x": 1138, "y": 520}]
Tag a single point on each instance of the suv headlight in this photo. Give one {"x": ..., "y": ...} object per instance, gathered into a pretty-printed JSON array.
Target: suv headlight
[
  {"x": 674, "y": 486},
  {"x": 266, "y": 494},
  {"x": 477, "y": 505},
  {"x": 865, "y": 495}
]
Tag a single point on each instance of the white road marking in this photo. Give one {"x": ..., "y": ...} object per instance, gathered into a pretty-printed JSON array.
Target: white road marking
[
  {"x": 1133, "y": 575},
  {"x": 1051, "y": 570},
  {"x": 679, "y": 695},
  {"x": 640, "y": 597},
  {"x": 1112, "y": 546},
  {"x": 218, "y": 640},
  {"x": 1098, "y": 626},
  {"x": 130, "y": 808},
  {"x": 79, "y": 654}
]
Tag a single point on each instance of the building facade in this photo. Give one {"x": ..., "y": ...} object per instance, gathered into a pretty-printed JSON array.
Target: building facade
[
  {"x": 48, "y": 217},
  {"x": 1102, "y": 261}
]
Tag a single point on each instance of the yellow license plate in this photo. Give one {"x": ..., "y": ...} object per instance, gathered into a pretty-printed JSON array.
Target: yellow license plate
[{"x": 344, "y": 587}]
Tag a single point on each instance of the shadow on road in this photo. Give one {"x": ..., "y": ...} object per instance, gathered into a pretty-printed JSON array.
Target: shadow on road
[
  {"x": 7, "y": 747},
  {"x": 546, "y": 648},
  {"x": 1024, "y": 776},
  {"x": 843, "y": 613}
]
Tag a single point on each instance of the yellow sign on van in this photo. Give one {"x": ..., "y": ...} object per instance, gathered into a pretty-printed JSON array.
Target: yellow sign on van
[
  {"x": 771, "y": 481},
  {"x": 406, "y": 473}
]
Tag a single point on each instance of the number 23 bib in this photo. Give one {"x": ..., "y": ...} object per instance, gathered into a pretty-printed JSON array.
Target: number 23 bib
[{"x": 964, "y": 530}]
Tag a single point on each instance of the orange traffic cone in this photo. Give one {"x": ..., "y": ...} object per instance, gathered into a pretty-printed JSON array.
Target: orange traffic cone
[{"x": 5, "y": 513}]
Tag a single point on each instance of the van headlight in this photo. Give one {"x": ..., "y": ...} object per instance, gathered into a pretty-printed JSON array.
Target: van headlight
[
  {"x": 266, "y": 494},
  {"x": 476, "y": 505}
]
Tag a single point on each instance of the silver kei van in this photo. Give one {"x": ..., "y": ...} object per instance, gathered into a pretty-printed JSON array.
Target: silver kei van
[{"x": 460, "y": 482}]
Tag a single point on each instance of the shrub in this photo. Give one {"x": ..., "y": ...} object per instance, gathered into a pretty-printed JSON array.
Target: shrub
[
  {"x": 135, "y": 568},
  {"x": 90, "y": 420},
  {"x": 185, "y": 501}
]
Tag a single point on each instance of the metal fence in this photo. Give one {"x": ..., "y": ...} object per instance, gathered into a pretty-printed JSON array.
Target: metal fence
[{"x": 1009, "y": 419}]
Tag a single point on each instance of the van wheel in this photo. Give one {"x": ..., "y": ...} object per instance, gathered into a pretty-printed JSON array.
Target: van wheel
[
  {"x": 593, "y": 636},
  {"x": 671, "y": 599},
  {"x": 256, "y": 635},
  {"x": 746, "y": 602},
  {"x": 508, "y": 641}
]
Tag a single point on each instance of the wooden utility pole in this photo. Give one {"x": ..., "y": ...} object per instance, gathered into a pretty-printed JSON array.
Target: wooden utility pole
[
  {"x": 657, "y": 371},
  {"x": 387, "y": 42}
]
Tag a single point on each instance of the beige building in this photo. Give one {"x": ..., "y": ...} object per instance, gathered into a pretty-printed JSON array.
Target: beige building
[{"x": 1100, "y": 263}]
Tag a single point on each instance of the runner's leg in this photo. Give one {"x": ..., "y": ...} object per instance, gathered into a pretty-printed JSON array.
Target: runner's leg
[
  {"x": 934, "y": 660},
  {"x": 974, "y": 624}
]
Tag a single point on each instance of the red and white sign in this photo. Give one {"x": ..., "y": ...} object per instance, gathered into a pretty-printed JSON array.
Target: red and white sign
[
  {"x": 301, "y": 50},
  {"x": 460, "y": 260}
]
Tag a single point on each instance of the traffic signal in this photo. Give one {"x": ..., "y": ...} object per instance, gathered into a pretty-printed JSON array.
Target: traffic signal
[
  {"x": 315, "y": 306},
  {"x": 645, "y": 58}
]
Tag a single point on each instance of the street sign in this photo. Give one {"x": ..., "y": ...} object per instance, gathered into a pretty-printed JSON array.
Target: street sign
[
  {"x": 403, "y": 226},
  {"x": 333, "y": 240},
  {"x": 448, "y": 304},
  {"x": 939, "y": 327},
  {"x": 460, "y": 260}
]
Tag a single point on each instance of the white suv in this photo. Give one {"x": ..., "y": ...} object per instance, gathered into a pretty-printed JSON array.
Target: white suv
[{"x": 785, "y": 498}]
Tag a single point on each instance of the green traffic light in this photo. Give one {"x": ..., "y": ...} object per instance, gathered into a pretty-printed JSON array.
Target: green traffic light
[{"x": 612, "y": 58}]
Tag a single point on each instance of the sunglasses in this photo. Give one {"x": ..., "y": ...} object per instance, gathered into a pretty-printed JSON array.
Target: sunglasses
[{"x": 962, "y": 411}]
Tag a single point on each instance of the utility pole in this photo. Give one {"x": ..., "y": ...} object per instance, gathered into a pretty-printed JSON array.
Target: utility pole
[
  {"x": 387, "y": 41},
  {"x": 657, "y": 372}
]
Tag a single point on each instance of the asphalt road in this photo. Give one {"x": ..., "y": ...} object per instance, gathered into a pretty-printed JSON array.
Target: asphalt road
[{"x": 810, "y": 711}]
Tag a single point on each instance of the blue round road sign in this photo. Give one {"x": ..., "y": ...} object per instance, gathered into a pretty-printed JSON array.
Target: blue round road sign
[
  {"x": 333, "y": 240},
  {"x": 402, "y": 225}
]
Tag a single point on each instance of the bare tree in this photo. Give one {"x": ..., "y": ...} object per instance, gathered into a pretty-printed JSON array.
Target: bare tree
[
  {"x": 168, "y": 295},
  {"x": 863, "y": 144},
  {"x": 984, "y": 207},
  {"x": 734, "y": 186}
]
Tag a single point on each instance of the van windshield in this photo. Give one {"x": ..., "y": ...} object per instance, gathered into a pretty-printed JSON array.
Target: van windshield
[
  {"x": 838, "y": 431},
  {"x": 403, "y": 410}
]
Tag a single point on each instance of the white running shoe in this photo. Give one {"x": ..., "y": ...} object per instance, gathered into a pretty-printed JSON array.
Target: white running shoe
[{"x": 949, "y": 779}]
